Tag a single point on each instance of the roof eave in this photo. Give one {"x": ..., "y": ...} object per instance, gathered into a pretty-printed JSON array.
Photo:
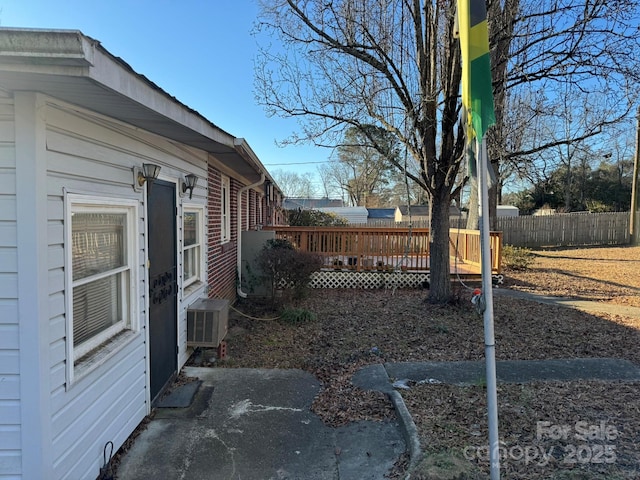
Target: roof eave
[{"x": 68, "y": 65}]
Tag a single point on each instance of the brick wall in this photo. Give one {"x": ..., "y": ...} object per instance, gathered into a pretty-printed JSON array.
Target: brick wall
[
  {"x": 272, "y": 213},
  {"x": 222, "y": 261},
  {"x": 252, "y": 209},
  {"x": 244, "y": 199},
  {"x": 221, "y": 275}
]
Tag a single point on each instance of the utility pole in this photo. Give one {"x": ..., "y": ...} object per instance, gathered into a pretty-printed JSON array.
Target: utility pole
[{"x": 633, "y": 234}]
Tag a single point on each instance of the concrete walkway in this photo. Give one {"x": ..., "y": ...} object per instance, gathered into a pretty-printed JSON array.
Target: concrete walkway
[
  {"x": 381, "y": 377},
  {"x": 584, "y": 305},
  {"x": 255, "y": 424}
]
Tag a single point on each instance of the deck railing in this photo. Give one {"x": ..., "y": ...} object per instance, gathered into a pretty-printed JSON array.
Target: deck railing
[{"x": 388, "y": 248}]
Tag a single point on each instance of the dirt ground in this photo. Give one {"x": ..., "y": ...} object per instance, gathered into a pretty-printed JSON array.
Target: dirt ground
[
  {"x": 352, "y": 328},
  {"x": 603, "y": 274}
]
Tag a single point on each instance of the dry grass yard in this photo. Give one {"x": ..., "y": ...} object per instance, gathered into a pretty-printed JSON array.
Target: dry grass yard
[{"x": 353, "y": 328}]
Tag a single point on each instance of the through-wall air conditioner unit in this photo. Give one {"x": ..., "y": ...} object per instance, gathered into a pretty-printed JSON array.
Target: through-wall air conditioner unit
[{"x": 207, "y": 322}]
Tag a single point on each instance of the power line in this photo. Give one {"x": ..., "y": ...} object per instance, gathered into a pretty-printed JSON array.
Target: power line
[{"x": 291, "y": 164}]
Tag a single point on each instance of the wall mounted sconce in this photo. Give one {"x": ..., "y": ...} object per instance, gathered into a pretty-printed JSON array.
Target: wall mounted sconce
[
  {"x": 148, "y": 173},
  {"x": 268, "y": 190},
  {"x": 189, "y": 183}
]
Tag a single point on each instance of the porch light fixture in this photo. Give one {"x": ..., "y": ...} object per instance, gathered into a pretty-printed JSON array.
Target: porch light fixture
[
  {"x": 268, "y": 189},
  {"x": 148, "y": 173},
  {"x": 189, "y": 184}
]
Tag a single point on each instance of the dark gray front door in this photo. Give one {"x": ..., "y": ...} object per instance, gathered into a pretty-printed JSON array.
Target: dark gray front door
[{"x": 163, "y": 338}]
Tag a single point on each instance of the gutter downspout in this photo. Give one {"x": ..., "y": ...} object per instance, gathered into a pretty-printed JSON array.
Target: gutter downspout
[{"x": 239, "y": 291}]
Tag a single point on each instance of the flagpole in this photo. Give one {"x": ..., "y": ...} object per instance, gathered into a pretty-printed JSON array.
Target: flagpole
[{"x": 487, "y": 292}]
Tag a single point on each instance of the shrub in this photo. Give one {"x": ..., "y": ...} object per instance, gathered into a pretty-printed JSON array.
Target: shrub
[
  {"x": 516, "y": 258},
  {"x": 314, "y": 218},
  {"x": 596, "y": 206},
  {"x": 287, "y": 268}
]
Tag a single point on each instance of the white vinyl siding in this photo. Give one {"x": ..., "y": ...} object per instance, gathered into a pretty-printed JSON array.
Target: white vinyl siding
[
  {"x": 10, "y": 424},
  {"x": 113, "y": 385},
  {"x": 225, "y": 206},
  {"x": 51, "y": 151},
  {"x": 89, "y": 155}
]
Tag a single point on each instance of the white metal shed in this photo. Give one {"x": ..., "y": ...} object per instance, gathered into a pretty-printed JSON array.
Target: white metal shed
[
  {"x": 507, "y": 211},
  {"x": 352, "y": 214}
]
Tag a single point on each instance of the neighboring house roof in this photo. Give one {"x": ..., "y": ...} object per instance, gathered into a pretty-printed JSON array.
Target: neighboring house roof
[
  {"x": 382, "y": 213},
  {"x": 91, "y": 77},
  {"x": 423, "y": 210},
  {"x": 351, "y": 214},
  {"x": 291, "y": 203},
  {"x": 416, "y": 210}
]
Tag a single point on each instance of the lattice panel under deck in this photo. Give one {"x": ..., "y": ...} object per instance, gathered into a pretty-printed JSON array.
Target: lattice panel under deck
[
  {"x": 368, "y": 280},
  {"x": 350, "y": 279}
]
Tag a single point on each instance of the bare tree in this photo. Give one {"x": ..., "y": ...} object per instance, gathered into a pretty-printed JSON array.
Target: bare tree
[
  {"x": 547, "y": 50},
  {"x": 394, "y": 64},
  {"x": 540, "y": 52},
  {"x": 293, "y": 184},
  {"x": 339, "y": 176},
  {"x": 324, "y": 173},
  {"x": 573, "y": 118},
  {"x": 365, "y": 172}
]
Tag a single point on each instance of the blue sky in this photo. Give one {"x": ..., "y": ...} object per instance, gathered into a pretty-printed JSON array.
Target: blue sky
[{"x": 199, "y": 51}]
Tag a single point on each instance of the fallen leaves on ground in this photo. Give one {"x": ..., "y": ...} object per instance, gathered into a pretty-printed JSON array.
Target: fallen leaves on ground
[
  {"x": 354, "y": 328},
  {"x": 568, "y": 430},
  {"x": 607, "y": 274}
]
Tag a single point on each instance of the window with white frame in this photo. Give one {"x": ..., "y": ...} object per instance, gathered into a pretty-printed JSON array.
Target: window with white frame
[
  {"x": 100, "y": 267},
  {"x": 192, "y": 222},
  {"x": 225, "y": 203}
]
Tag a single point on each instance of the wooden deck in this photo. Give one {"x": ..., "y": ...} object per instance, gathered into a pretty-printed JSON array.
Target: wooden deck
[
  {"x": 387, "y": 249},
  {"x": 385, "y": 264}
]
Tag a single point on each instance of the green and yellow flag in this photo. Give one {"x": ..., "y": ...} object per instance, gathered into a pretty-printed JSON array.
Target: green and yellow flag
[{"x": 477, "y": 93}]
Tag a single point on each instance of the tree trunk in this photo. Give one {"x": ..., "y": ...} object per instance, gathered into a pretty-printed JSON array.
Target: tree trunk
[
  {"x": 493, "y": 204},
  {"x": 473, "y": 214},
  {"x": 439, "y": 268}
]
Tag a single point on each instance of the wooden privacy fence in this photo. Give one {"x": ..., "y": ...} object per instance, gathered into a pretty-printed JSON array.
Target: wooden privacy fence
[
  {"x": 565, "y": 229},
  {"x": 389, "y": 248}
]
